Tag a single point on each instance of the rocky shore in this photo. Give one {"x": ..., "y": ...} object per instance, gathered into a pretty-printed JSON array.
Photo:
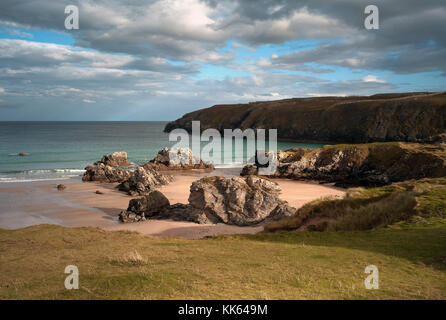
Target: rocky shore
[
  {"x": 253, "y": 200},
  {"x": 374, "y": 164}
]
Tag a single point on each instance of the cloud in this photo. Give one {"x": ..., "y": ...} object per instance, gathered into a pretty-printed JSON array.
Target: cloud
[
  {"x": 147, "y": 56},
  {"x": 372, "y": 78}
]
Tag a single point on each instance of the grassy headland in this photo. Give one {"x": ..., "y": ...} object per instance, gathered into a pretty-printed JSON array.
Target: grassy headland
[{"x": 414, "y": 117}]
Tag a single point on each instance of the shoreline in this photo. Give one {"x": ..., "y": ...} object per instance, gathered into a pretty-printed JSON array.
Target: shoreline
[{"x": 26, "y": 204}]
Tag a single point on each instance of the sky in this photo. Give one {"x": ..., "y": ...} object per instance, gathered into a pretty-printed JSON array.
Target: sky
[{"x": 158, "y": 59}]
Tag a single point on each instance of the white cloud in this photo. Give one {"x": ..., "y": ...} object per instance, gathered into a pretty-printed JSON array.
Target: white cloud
[{"x": 372, "y": 78}]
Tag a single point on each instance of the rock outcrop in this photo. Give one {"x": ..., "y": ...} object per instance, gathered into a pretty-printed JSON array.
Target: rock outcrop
[
  {"x": 116, "y": 159},
  {"x": 372, "y": 164},
  {"x": 411, "y": 117},
  {"x": 103, "y": 173},
  {"x": 111, "y": 168},
  {"x": 145, "y": 207},
  {"x": 236, "y": 201},
  {"x": 287, "y": 156},
  {"x": 178, "y": 159},
  {"x": 143, "y": 181}
]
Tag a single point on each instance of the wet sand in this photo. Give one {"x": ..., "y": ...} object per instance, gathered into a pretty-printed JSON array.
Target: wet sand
[{"x": 27, "y": 204}]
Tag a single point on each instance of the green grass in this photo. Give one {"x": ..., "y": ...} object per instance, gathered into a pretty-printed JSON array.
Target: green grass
[
  {"x": 364, "y": 209},
  {"x": 290, "y": 265}
]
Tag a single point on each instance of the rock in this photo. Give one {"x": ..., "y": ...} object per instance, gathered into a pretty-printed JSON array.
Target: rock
[
  {"x": 248, "y": 170},
  {"x": 287, "y": 156},
  {"x": 237, "y": 201},
  {"x": 61, "y": 187},
  {"x": 440, "y": 139},
  {"x": 143, "y": 181},
  {"x": 367, "y": 164},
  {"x": 22, "y": 154},
  {"x": 291, "y": 155},
  {"x": 111, "y": 168},
  {"x": 153, "y": 203},
  {"x": 99, "y": 192},
  {"x": 178, "y": 159},
  {"x": 104, "y": 173},
  {"x": 115, "y": 159}
]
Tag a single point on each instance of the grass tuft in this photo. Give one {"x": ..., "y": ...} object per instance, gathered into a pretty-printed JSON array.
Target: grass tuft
[{"x": 130, "y": 259}]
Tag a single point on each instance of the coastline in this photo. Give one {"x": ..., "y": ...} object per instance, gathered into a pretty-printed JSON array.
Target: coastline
[{"x": 25, "y": 204}]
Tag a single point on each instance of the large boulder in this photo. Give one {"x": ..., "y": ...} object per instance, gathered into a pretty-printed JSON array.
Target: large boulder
[
  {"x": 143, "y": 181},
  {"x": 177, "y": 159},
  {"x": 237, "y": 201},
  {"x": 140, "y": 209}
]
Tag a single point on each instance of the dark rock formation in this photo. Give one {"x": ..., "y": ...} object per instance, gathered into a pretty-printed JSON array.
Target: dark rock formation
[
  {"x": 411, "y": 117},
  {"x": 61, "y": 187},
  {"x": 237, "y": 201},
  {"x": 366, "y": 164},
  {"x": 143, "y": 181},
  {"x": 140, "y": 209},
  {"x": 179, "y": 159}
]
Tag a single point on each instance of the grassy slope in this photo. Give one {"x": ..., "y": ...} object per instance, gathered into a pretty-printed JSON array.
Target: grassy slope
[
  {"x": 364, "y": 209},
  {"x": 264, "y": 266}
]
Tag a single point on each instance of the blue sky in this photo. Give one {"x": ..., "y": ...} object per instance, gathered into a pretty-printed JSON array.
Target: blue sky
[{"x": 160, "y": 60}]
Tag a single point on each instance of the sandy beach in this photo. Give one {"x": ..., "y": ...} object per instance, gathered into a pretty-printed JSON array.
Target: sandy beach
[{"x": 79, "y": 205}]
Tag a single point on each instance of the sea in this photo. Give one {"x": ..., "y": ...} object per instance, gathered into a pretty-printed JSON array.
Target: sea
[{"x": 61, "y": 150}]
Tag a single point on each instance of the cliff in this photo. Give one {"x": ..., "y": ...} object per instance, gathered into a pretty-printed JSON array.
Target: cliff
[{"x": 411, "y": 117}]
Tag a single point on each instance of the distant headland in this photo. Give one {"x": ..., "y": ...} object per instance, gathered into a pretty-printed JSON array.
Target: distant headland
[{"x": 410, "y": 117}]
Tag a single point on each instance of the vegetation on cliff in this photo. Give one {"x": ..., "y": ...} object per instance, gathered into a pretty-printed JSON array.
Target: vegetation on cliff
[{"x": 411, "y": 117}]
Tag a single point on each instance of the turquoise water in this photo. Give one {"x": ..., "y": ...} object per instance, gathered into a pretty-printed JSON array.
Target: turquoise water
[{"x": 60, "y": 150}]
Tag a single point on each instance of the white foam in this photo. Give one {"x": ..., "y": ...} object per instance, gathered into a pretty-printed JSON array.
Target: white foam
[{"x": 15, "y": 180}]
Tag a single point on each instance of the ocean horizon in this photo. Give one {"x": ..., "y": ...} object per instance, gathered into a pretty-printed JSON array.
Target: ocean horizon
[{"x": 59, "y": 150}]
